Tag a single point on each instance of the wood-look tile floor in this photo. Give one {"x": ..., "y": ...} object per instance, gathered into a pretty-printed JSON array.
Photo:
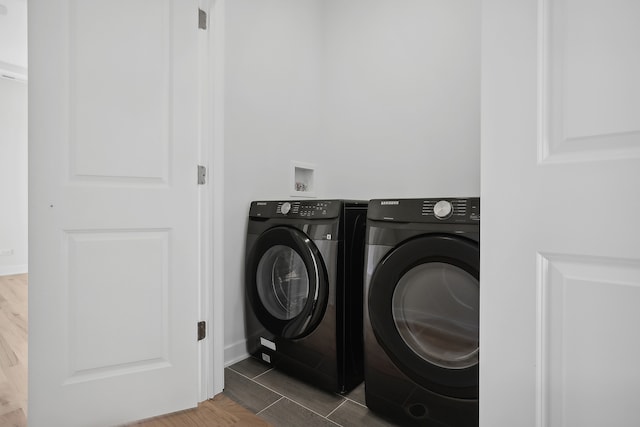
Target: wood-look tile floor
[{"x": 284, "y": 401}]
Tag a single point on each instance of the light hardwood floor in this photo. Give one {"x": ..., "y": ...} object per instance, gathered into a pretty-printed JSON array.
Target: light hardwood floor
[
  {"x": 218, "y": 412},
  {"x": 13, "y": 350}
]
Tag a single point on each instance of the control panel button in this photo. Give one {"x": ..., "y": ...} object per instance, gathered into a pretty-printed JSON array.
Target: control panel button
[
  {"x": 443, "y": 209},
  {"x": 286, "y": 207}
]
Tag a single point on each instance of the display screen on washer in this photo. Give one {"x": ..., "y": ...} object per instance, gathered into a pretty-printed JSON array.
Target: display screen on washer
[
  {"x": 436, "y": 312},
  {"x": 282, "y": 282}
]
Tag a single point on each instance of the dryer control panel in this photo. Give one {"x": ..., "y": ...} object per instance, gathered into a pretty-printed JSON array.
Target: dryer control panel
[
  {"x": 440, "y": 210},
  {"x": 306, "y": 209}
]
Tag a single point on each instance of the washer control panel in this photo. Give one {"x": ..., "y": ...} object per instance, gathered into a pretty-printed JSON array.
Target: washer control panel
[
  {"x": 285, "y": 208},
  {"x": 448, "y": 210},
  {"x": 443, "y": 209},
  {"x": 313, "y": 209}
]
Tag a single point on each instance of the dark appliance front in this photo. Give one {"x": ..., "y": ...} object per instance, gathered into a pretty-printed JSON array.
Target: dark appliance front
[
  {"x": 422, "y": 311},
  {"x": 304, "y": 289}
]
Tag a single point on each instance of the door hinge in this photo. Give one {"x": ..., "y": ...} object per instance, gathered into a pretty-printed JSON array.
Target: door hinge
[
  {"x": 202, "y": 175},
  {"x": 202, "y": 330},
  {"x": 202, "y": 19}
]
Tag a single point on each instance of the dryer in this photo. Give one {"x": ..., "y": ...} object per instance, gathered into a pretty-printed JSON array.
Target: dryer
[
  {"x": 421, "y": 315},
  {"x": 303, "y": 287}
]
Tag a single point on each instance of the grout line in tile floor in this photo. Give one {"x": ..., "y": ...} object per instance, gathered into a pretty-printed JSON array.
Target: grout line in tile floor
[
  {"x": 241, "y": 374},
  {"x": 264, "y": 409},
  {"x": 291, "y": 399},
  {"x": 262, "y": 385},
  {"x": 336, "y": 408},
  {"x": 287, "y": 398},
  {"x": 259, "y": 375},
  {"x": 311, "y": 410},
  {"x": 352, "y": 401},
  {"x": 282, "y": 396}
]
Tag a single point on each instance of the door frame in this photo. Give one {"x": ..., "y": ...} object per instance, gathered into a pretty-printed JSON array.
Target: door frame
[{"x": 211, "y": 298}]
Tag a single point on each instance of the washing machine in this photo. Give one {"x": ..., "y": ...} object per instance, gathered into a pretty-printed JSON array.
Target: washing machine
[
  {"x": 304, "y": 287},
  {"x": 421, "y": 314}
]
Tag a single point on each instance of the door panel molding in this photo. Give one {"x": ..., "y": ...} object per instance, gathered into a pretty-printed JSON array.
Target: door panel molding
[
  {"x": 587, "y": 310},
  {"x": 588, "y": 93},
  {"x": 98, "y": 118},
  {"x": 103, "y": 266}
]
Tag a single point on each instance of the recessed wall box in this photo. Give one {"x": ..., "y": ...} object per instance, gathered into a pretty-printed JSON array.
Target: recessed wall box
[{"x": 302, "y": 179}]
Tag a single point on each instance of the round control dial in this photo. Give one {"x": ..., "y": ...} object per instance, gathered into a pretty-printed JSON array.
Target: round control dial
[
  {"x": 443, "y": 209},
  {"x": 285, "y": 208}
]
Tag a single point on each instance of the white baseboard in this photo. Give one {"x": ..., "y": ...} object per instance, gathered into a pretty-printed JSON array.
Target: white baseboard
[
  {"x": 10, "y": 270},
  {"x": 235, "y": 352}
]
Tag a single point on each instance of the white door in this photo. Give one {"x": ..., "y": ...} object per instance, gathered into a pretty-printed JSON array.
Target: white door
[
  {"x": 113, "y": 129},
  {"x": 560, "y": 250}
]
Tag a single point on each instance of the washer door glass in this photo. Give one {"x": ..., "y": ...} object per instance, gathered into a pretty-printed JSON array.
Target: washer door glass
[
  {"x": 435, "y": 308},
  {"x": 282, "y": 282}
]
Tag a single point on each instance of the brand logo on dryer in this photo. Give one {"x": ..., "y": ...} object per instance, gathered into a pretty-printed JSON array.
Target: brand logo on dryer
[{"x": 389, "y": 202}]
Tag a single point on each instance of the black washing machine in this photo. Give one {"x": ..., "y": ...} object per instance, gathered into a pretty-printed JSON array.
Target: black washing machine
[
  {"x": 421, "y": 317},
  {"x": 303, "y": 286}
]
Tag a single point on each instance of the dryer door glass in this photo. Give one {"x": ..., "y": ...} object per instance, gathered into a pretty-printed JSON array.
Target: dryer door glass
[
  {"x": 282, "y": 282},
  {"x": 436, "y": 312}
]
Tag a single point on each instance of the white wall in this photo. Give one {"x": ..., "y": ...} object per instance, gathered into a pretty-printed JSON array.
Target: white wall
[
  {"x": 13, "y": 38},
  {"x": 272, "y": 115},
  {"x": 13, "y": 176},
  {"x": 402, "y": 98},
  {"x": 382, "y": 96}
]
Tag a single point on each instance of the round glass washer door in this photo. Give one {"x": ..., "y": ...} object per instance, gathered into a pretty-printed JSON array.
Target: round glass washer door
[
  {"x": 286, "y": 282},
  {"x": 423, "y": 300},
  {"x": 282, "y": 282},
  {"x": 435, "y": 308}
]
